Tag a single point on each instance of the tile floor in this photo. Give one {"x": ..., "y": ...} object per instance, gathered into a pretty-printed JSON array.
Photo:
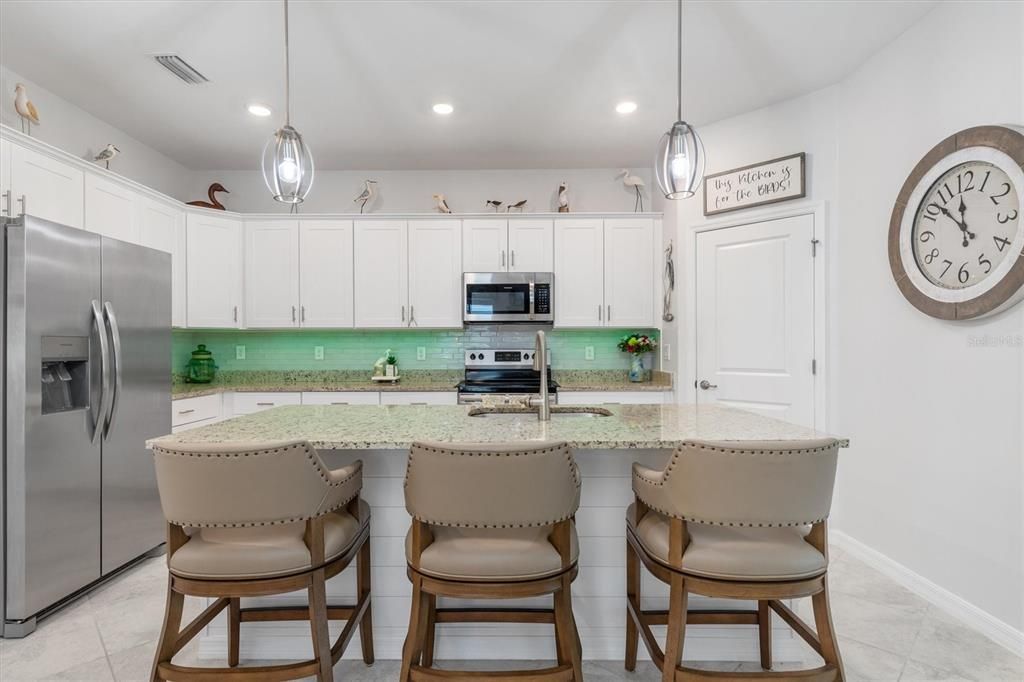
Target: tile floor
[{"x": 885, "y": 633}]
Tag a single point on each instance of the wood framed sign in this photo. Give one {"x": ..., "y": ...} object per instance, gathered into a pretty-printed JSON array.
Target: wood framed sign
[{"x": 758, "y": 184}]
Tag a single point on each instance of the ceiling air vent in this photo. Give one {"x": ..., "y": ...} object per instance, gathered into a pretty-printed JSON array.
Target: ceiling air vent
[{"x": 180, "y": 68}]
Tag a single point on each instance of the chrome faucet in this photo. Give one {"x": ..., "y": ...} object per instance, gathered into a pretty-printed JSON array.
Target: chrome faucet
[{"x": 540, "y": 364}]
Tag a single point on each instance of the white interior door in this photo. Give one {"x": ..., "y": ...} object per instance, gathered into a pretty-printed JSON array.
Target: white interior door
[
  {"x": 272, "y": 273},
  {"x": 325, "y": 274},
  {"x": 484, "y": 245},
  {"x": 435, "y": 273},
  {"x": 531, "y": 245},
  {"x": 755, "y": 318}
]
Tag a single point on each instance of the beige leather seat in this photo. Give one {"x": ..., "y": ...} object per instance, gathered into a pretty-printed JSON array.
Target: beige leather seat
[
  {"x": 491, "y": 521},
  {"x": 264, "y": 520},
  {"x": 735, "y": 520}
]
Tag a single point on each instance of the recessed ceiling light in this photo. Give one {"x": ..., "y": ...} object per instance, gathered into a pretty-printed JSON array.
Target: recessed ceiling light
[
  {"x": 625, "y": 107},
  {"x": 443, "y": 108},
  {"x": 259, "y": 110}
]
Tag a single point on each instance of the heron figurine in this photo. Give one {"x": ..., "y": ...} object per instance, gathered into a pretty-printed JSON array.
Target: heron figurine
[{"x": 637, "y": 183}]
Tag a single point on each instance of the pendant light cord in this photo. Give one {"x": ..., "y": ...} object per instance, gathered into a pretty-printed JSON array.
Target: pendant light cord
[
  {"x": 679, "y": 63},
  {"x": 287, "y": 72}
]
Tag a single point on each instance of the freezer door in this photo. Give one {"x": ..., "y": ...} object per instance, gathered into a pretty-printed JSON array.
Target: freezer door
[
  {"x": 52, "y": 464},
  {"x": 137, "y": 314}
]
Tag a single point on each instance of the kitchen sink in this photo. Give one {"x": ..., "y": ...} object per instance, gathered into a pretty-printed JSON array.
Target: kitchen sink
[{"x": 561, "y": 412}]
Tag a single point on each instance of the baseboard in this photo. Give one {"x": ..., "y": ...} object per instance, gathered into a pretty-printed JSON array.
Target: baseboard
[{"x": 998, "y": 631}]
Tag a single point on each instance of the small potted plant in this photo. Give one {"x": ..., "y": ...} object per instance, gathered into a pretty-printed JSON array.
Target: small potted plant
[
  {"x": 637, "y": 345},
  {"x": 391, "y": 364}
]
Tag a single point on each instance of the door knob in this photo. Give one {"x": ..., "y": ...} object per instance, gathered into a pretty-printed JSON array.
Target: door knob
[{"x": 705, "y": 384}]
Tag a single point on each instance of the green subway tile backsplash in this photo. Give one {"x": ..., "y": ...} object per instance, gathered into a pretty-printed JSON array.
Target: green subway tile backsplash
[{"x": 352, "y": 349}]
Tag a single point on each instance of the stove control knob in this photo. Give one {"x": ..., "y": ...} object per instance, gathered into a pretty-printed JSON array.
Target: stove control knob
[
  {"x": 526, "y": 356},
  {"x": 472, "y": 356}
]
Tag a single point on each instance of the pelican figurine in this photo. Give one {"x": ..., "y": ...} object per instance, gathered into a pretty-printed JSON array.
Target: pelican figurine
[
  {"x": 26, "y": 110},
  {"x": 367, "y": 195},
  {"x": 496, "y": 205},
  {"x": 637, "y": 183},
  {"x": 563, "y": 198},
  {"x": 108, "y": 153},
  {"x": 442, "y": 204},
  {"x": 212, "y": 203},
  {"x": 519, "y": 206}
]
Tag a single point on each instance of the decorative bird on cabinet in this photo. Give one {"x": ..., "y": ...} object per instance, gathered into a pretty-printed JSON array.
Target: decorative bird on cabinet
[
  {"x": 637, "y": 183},
  {"x": 108, "y": 153},
  {"x": 367, "y": 195},
  {"x": 519, "y": 206},
  {"x": 442, "y": 204},
  {"x": 212, "y": 203},
  {"x": 563, "y": 198},
  {"x": 26, "y": 110},
  {"x": 495, "y": 204}
]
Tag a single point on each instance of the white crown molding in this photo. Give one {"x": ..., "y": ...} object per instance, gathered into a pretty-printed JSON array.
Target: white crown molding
[{"x": 998, "y": 631}]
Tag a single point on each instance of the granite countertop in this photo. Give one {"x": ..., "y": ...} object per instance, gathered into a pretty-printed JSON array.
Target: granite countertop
[
  {"x": 395, "y": 427},
  {"x": 412, "y": 380}
]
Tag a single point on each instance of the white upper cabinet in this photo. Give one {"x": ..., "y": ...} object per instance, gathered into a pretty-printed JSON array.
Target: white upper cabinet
[
  {"x": 629, "y": 267},
  {"x": 214, "y": 278},
  {"x": 162, "y": 226},
  {"x": 6, "y": 200},
  {"x": 579, "y": 273},
  {"x": 325, "y": 273},
  {"x": 381, "y": 272},
  {"x": 272, "y": 273},
  {"x": 485, "y": 245},
  {"x": 46, "y": 188},
  {"x": 110, "y": 209},
  {"x": 503, "y": 245},
  {"x": 531, "y": 245},
  {"x": 435, "y": 273}
]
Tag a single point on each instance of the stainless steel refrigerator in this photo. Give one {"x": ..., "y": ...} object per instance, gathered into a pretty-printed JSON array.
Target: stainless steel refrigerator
[{"x": 86, "y": 367}]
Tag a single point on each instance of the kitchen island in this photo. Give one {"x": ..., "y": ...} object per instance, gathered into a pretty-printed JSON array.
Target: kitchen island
[{"x": 605, "y": 448}]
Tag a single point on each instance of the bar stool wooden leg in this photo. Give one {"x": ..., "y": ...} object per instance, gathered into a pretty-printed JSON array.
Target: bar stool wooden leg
[
  {"x": 234, "y": 630},
  {"x": 633, "y": 595},
  {"x": 677, "y": 599},
  {"x": 764, "y": 633},
  {"x": 417, "y": 628},
  {"x": 428, "y": 640},
  {"x": 826, "y": 631},
  {"x": 318, "y": 626},
  {"x": 363, "y": 589},
  {"x": 170, "y": 631},
  {"x": 565, "y": 628}
]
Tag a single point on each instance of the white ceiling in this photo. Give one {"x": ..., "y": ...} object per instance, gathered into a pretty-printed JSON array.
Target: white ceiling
[{"x": 534, "y": 83}]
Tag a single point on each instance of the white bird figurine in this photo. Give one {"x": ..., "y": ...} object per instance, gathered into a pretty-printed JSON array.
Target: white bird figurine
[
  {"x": 563, "y": 197},
  {"x": 23, "y": 105},
  {"x": 495, "y": 204},
  {"x": 637, "y": 183},
  {"x": 442, "y": 205},
  {"x": 109, "y": 152},
  {"x": 367, "y": 195}
]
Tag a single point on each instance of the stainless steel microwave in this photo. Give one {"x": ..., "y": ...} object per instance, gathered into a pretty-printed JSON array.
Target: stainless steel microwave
[{"x": 503, "y": 297}]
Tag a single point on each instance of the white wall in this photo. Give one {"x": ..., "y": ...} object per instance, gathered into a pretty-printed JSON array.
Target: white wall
[
  {"x": 78, "y": 132},
  {"x": 410, "y": 191},
  {"x": 933, "y": 477}
]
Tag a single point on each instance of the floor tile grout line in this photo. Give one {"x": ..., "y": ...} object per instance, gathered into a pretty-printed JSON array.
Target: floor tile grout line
[
  {"x": 103, "y": 644},
  {"x": 917, "y": 636}
]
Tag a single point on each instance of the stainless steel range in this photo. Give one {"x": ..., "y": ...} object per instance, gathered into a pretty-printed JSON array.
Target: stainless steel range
[{"x": 502, "y": 376}]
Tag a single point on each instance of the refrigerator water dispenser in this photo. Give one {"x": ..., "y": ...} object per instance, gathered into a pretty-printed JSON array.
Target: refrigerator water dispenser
[{"x": 64, "y": 373}]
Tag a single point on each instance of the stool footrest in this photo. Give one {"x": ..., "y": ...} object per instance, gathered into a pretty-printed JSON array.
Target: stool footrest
[
  {"x": 558, "y": 673},
  {"x": 473, "y": 615}
]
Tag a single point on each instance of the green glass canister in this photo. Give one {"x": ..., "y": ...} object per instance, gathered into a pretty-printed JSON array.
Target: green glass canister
[{"x": 201, "y": 368}]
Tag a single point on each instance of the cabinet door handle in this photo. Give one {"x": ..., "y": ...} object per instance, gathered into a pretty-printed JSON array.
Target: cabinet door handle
[
  {"x": 513, "y": 257},
  {"x": 182, "y": 412},
  {"x": 235, "y": 313},
  {"x": 7, "y": 202},
  {"x": 339, "y": 403},
  {"x": 24, "y": 204},
  {"x": 417, "y": 403},
  {"x": 302, "y": 313},
  {"x": 293, "y": 313},
  {"x": 403, "y": 313},
  {"x": 609, "y": 313},
  {"x": 412, "y": 316},
  {"x": 600, "y": 313},
  {"x": 503, "y": 258},
  {"x": 265, "y": 404}
]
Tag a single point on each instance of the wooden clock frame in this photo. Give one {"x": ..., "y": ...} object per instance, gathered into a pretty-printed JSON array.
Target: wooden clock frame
[{"x": 1010, "y": 289}]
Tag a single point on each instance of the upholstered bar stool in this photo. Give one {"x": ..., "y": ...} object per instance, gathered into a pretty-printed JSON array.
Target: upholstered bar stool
[
  {"x": 491, "y": 522},
  {"x": 256, "y": 522},
  {"x": 733, "y": 520}
]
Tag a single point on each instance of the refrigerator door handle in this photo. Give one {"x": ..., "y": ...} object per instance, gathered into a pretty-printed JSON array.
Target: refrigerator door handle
[
  {"x": 115, "y": 337},
  {"x": 101, "y": 332}
]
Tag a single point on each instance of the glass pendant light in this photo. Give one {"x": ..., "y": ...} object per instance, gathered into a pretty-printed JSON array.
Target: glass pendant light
[
  {"x": 679, "y": 165},
  {"x": 287, "y": 161}
]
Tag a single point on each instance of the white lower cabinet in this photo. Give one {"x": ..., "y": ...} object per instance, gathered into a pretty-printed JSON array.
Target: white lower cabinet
[
  {"x": 191, "y": 413},
  {"x": 271, "y": 274},
  {"x": 214, "y": 271},
  {"x": 247, "y": 403},
  {"x": 418, "y": 398},
  {"x": 341, "y": 398},
  {"x": 614, "y": 397}
]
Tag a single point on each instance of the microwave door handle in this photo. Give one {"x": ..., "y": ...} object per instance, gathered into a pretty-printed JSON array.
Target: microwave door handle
[
  {"x": 115, "y": 339},
  {"x": 533, "y": 286},
  {"x": 101, "y": 333}
]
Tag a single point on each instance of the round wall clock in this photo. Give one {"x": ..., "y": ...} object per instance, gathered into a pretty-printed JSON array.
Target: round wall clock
[{"x": 956, "y": 236}]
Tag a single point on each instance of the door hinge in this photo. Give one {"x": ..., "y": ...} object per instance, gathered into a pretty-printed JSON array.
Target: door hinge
[
  {"x": 814, "y": 366},
  {"x": 814, "y": 247}
]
